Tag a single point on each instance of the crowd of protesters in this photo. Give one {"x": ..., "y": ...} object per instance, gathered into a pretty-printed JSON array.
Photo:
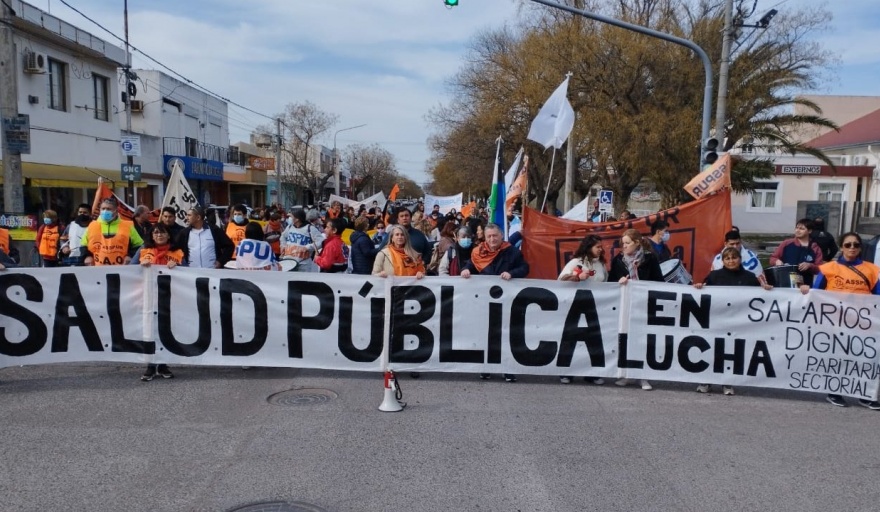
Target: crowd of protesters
[{"x": 399, "y": 239}]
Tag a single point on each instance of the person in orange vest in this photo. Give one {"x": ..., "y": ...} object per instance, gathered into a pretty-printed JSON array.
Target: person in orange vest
[
  {"x": 110, "y": 240},
  {"x": 5, "y": 260},
  {"x": 48, "y": 237},
  {"x": 237, "y": 224}
]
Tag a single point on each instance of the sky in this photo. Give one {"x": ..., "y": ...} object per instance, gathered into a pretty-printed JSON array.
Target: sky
[{"x": 383, "y": 63}]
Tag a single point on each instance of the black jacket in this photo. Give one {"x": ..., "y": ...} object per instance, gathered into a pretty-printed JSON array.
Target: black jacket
[
  {"x": 223, "y": 246},
  {"x": 739, "y": 277},
  {"x": 363, "y": 253},
  {"x": 649, "y": 270},
  {"x": 509, "y": 260}
]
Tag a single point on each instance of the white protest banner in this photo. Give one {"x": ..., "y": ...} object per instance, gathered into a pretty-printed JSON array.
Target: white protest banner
[
  {"x": 579, "y": 211},
  {"x": 823, "y": 342},
  {"x": 379, "y": 197},
  {"x": 446, "y": 203},
  {"x": 179, "y": 195}
]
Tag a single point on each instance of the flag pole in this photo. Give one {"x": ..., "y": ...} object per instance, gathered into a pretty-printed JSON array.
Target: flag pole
[{"x": 547, "y": 190}]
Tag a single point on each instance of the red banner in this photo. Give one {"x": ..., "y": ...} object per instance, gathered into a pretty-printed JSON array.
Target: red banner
[{"x": 696, "y": 232}]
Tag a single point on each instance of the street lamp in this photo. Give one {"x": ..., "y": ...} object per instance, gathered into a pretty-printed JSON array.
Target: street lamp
[{"x": 336, "y": 157}]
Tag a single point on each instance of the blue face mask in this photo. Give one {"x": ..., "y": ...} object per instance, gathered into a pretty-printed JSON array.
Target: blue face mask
[
  {"x": 238, "y": 219},
  {"x": 665, "y": 237},
  {"x": 47, "y": 220},
  {"x": 106, "y": 215},
  {"x": 464, "y": 243}
]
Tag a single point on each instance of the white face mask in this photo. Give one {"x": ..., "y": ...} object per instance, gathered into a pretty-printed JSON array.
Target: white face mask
[{"x": 665, "y": 237}]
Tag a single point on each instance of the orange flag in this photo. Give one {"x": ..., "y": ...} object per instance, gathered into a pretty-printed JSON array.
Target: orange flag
[
  {"x": 518, "y": 188},
  {"x": 104, "y": 192},
  {"x": 468, "y": 209},
  {"x": 394, "y": 191},
  {"x": 712, "y": 179}
]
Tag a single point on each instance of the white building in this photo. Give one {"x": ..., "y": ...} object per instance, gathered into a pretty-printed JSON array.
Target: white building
[
  {"x": 67, "y": 81},
  {"x": 179, "y": 123}
]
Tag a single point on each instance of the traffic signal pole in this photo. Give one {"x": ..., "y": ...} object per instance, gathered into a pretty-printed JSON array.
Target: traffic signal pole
[{"x": 707, "y": 64}]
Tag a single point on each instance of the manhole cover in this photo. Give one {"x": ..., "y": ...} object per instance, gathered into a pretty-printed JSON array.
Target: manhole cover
[
  {"x": 306, "y": 396},
  {"x": 278, "y": 506}
]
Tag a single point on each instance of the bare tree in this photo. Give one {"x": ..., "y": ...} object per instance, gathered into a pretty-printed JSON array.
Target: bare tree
[
  {"x": 370, "y": 167},
  {"x": 301, "y": 165}
]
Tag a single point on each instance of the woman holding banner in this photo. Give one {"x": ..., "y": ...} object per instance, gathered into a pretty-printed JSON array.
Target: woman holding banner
[
  {"x": 456, "y": 255},
  {"x": 732, "y": 273},
  {"x": 587, "y": 264},
  {"x": 398, "y": 258},
  {"x": 848, "y": 274},
  {"x": 635, "y": 262},
  {"x": 158, "y": 250}
]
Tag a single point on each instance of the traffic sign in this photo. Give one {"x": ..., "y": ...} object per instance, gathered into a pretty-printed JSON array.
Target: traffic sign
[
  {"x": 606, "y": 200},
  {"x": 131, "y": 172},
  {"x": 131, "y": 145}
]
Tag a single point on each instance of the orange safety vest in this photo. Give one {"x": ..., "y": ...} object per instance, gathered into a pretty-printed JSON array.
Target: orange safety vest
[
  {"x": 109, "y": 250},
  {"x": 839, "y": 278},
  {"x": 4, "y": 240},
  {"x": 150, "y": 254},
  {"x": 49, "y": 243},
  {"x": 236, "y": 234}
]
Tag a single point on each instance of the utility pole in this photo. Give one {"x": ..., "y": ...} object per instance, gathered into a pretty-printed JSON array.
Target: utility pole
[
  {"x": 278, "y": 142},
  {"x": 723, "y": 75},
  {"x": 336, "y": 156},
  {"x": 13, "y": 193},
  {"x": 128, "y": 159}
]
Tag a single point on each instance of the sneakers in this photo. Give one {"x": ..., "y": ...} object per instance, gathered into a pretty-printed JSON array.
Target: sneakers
[
  {"x": 149, "y": 374},
  {"x": 485, "y": 376},
  {"x": 164, "y": 372},
  {"x": 873, "y": 405},
  {"x": 621, "y": 382},
  {"x": 509, "y": 377},
  {"x": 646, "y": 385},
  {"x": 835, "y": 400},
  {"x": 595, "y": 380},
  {"x": 565, "y": 380},
  {"x": 728, "y": 390},
  {"x": 703, "y": 388}
]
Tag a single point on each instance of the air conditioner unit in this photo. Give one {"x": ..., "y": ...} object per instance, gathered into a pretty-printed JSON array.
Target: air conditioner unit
[
  {"x": 137, "y": 105},
  {"x": 35, "y": 62},
  {"x": 860, "y": 160}
]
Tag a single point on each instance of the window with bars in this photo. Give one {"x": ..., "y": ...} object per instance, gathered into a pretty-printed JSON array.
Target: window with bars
[
  {"x": 100, "y": 87},
  {"x": 57, "y": 85}
]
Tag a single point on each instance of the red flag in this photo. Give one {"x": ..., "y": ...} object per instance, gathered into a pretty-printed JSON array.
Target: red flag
[{"x": 394, "y": 191}]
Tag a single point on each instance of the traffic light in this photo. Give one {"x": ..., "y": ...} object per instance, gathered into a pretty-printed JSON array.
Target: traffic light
[
  {"x": 450, "y": 3},
  {"x": 710, "y": 151}
]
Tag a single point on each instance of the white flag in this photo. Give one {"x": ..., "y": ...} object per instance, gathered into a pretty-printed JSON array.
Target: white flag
[
  {"x": 555, "y": 120},
  {"x": 511, "y": 173},
  {"x": 178, "y": 195}
]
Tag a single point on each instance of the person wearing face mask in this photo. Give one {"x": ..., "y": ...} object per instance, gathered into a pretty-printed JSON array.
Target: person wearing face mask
[
  {"x": 71, "y": 239},
  {"x": 363, "y": 252},
  {"x": 110, "y": 240},
  {"x": 48, "y": 239},
  {"x": 300, "y": 241},
  {"x": 458, "y": 254},
  {"x": 658, "y": 239},
  {"x": 380, "y": 233},
  {"x": 237, "y": 224}
]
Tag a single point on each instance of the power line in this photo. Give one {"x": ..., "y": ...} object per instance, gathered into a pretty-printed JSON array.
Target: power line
[{"x": 185, "y": 79}]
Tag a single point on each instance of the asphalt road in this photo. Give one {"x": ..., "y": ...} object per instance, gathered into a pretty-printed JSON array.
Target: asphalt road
[{"x": 92, "y": 437}]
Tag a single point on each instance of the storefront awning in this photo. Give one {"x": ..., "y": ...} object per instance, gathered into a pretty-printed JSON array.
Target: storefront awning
[{"x": 67, "y": 176}]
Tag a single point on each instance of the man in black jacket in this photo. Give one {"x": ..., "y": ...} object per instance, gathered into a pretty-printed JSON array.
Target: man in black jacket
[
  {"x": 824, "y": 240},
  {"x": 204, "y": 245},
  {"x": 495, "y": 257}
]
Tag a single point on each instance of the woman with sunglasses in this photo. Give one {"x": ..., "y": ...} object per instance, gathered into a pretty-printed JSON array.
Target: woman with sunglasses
[{"x": 848, "y": 274}]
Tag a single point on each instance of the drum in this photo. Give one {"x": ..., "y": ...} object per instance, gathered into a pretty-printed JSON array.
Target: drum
[
  {"x": 674, "y": 272},
  {"x": 783, "y": 276},
  {"x": 288, "y": 265}
]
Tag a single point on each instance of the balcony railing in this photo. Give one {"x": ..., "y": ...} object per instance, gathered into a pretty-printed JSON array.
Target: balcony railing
[{"x": 189, "y": 146}]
